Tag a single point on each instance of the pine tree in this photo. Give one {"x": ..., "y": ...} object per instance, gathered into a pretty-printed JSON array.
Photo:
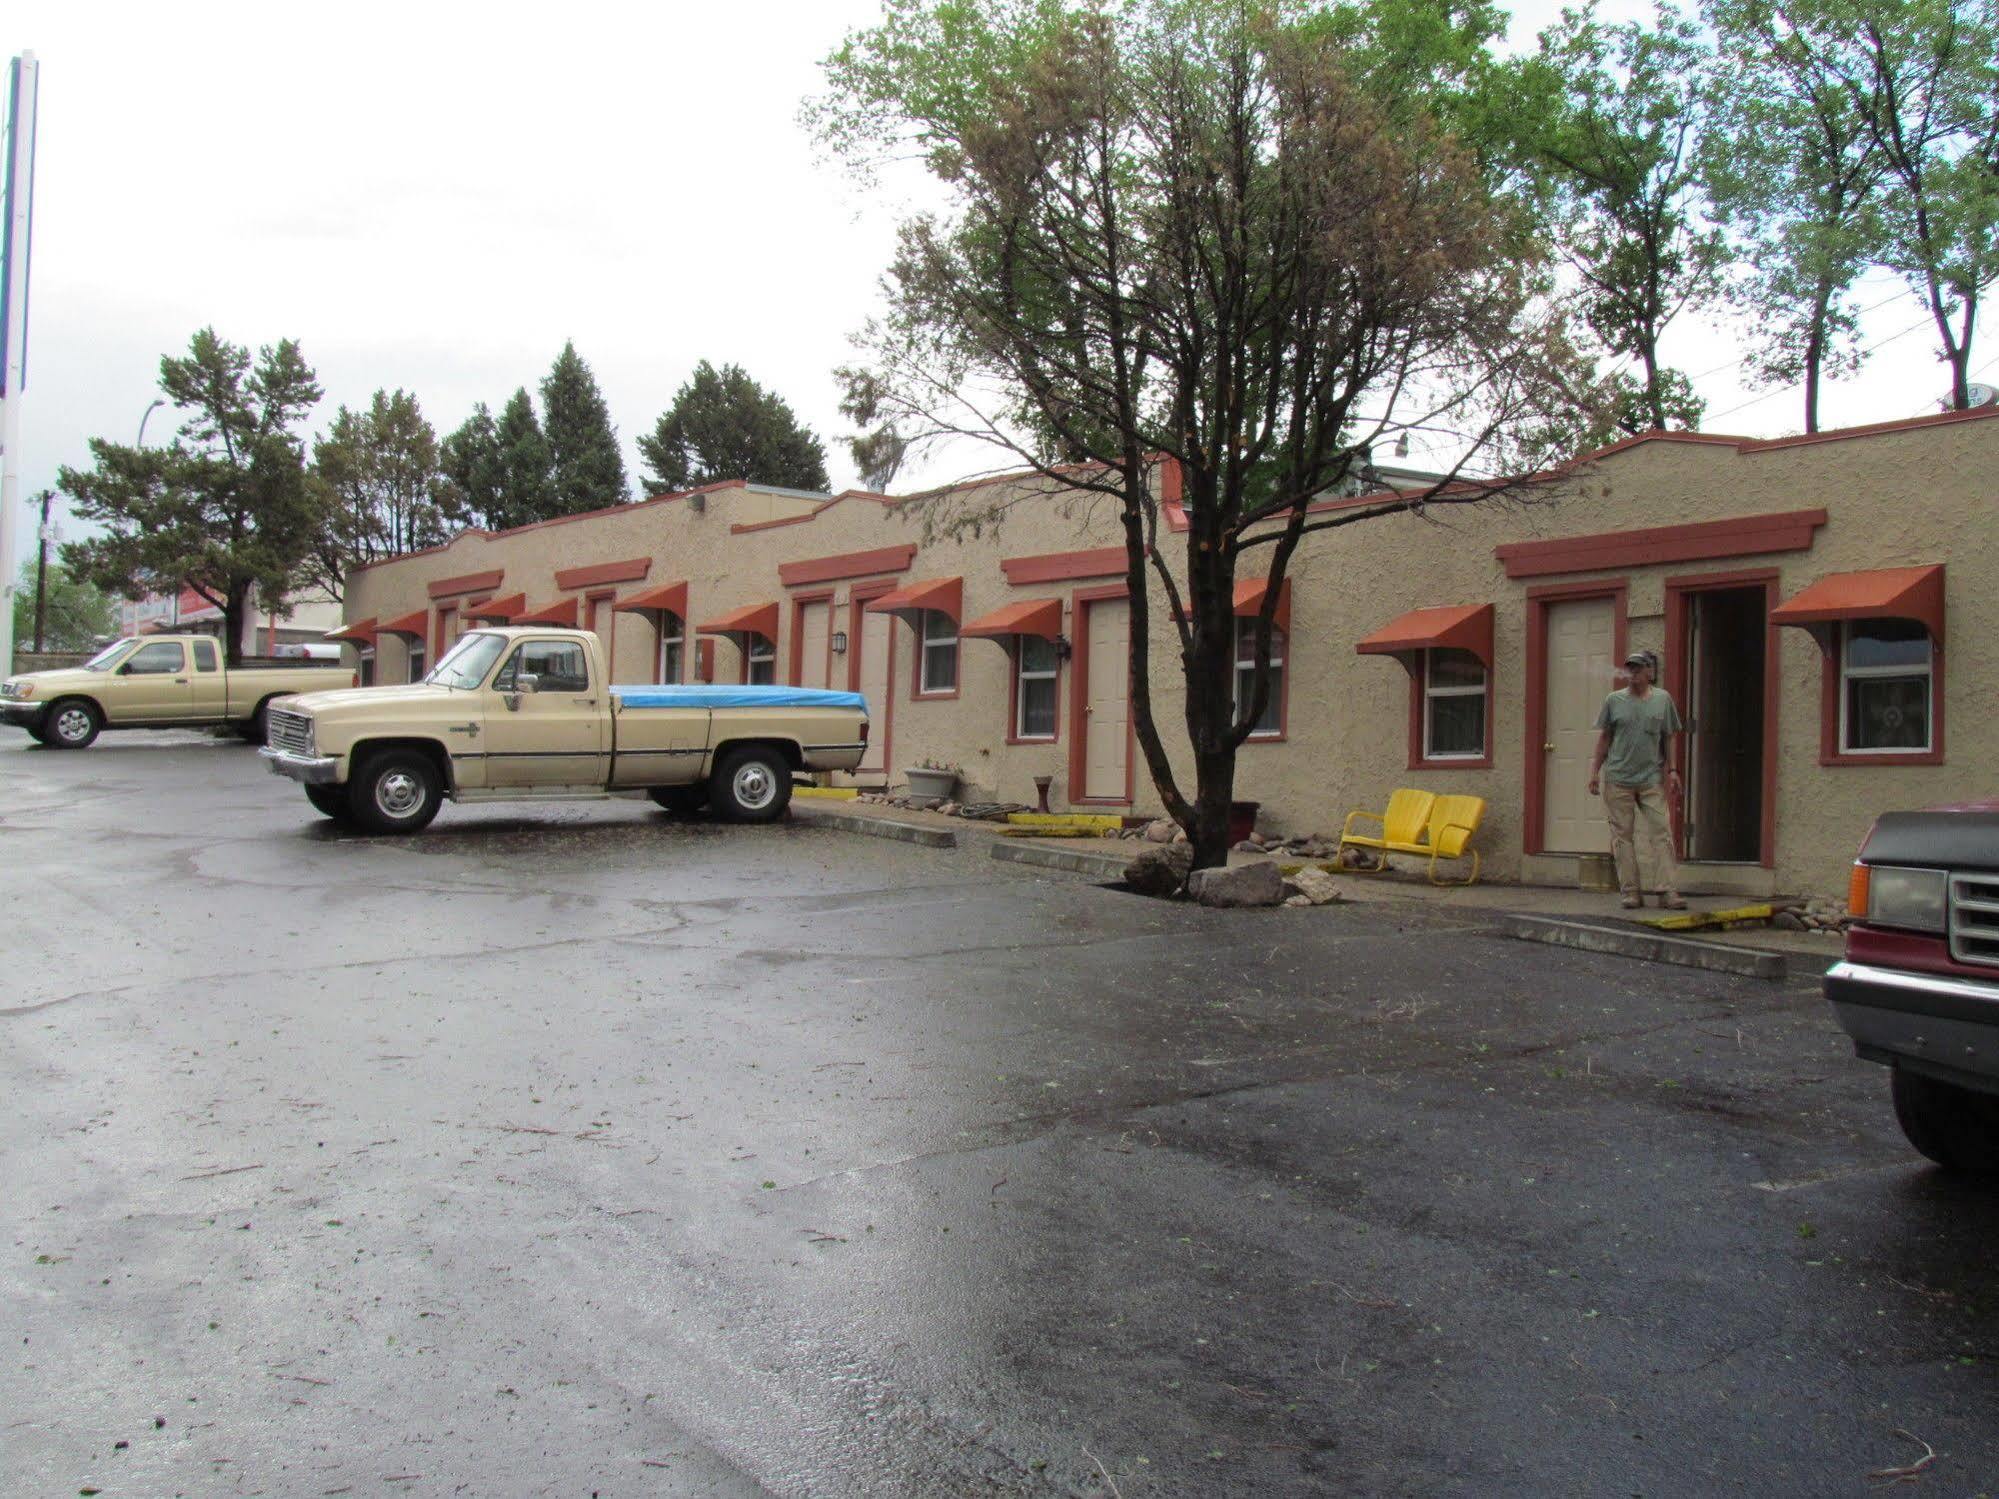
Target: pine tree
[
  {"x": 470, "y": 459},
  {"x": 586, "y": 470},
  {"x": 525, "y": 493},
  {"x": 723, "y": 425},
  {"x": 379, "y": 472}
]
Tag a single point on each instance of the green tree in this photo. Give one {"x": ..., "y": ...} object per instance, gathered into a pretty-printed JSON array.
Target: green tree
[
  {"x": 1188, "y": 229},
  {"x": 471, "y": 464},
  {"x": 384, "y": 491},
  {"x": 523, "y": 465},
  {"x": 723, "y": 425},
  {"x": 76, "y": 614},
  {"x": 226, "y": 508},
  {"x": 1794, "y": 171},
  {"x": 1614, "y": 130},
  {"x": 586, "y": 469}
]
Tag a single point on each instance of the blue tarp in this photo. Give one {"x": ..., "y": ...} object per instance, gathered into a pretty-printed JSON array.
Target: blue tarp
[{"x": 737, "y": 697}]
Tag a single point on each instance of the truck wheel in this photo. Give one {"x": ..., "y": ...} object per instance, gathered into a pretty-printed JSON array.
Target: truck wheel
[
  {"x": 682, "y": 801},
  {"x": 395, "y": 792},
  {"x": 1958, "y": 1128},
  {"x": 752, "y": 784},
  {"x": 329, "y": 801},
  {"x": 72, "y": 724},
  {"x": 256, "y": 728}
]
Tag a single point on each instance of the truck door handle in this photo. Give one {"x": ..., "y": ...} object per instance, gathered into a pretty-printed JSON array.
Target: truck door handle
[{"x": 180, "y": 681}]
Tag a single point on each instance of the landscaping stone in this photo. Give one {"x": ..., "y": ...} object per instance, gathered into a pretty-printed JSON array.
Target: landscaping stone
[
  {"x": 1788, "y": 921},
  {"x": 1318, "y": 887},
  {"x": 1163, "y": 830},
  {"x": 1248, "y": 846},
  {"x": 1300, "y": 901},
  {"x": 1160, "y": 870},
  {"x": 1237, "y": 886}
]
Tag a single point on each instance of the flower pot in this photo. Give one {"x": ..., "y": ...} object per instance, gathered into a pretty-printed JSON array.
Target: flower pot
[
  {"x": 932, "y": 783},
  {"x": 1242, "y": 820}
]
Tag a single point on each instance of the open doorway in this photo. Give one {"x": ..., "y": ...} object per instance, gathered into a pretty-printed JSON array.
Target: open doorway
[{"x": 1726, "y": 676}]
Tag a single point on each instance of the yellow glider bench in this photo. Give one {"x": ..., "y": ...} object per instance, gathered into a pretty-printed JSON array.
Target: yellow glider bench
[{"x": 1421, "y": 823}]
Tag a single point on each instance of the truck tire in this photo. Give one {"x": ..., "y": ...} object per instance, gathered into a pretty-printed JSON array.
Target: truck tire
[
  {"x": 1956, "y": 1127},
  {"x": 682, "y": 801},
  {"x": 329, "y": 801},
  {"x": 72, "y": 723},
  {"x": 752, "y": 784},
  {"x": 256, "y": 729},
  {"x": 396, "y": 791}
]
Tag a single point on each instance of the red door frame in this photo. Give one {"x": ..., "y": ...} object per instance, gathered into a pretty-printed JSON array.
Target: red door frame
[
  {"x": 1535, "y": 769},
  {"x": 858, "y": 598},
  {"x": 799, "y": 604},
  {"x": 1079, "y": 698},
  {"x": 441, "y": 631},
  {"x": 1678, "y": 620}
]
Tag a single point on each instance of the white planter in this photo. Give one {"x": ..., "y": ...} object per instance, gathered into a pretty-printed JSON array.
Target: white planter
[{"x": 937, "y": 783}]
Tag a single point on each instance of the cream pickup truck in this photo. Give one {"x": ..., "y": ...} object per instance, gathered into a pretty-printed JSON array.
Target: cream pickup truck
[
  {"x": 520, "y": 713},
  {"x": 158, "y": 682}
]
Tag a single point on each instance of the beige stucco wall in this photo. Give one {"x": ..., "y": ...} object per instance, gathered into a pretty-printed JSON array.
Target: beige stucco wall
[{"x": 1917, "y": 494}]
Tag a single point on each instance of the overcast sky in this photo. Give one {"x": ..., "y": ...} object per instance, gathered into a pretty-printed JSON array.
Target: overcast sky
[{"x": 436, "y": 197}]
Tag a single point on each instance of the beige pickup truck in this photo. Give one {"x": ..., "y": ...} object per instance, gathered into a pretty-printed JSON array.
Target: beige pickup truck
[
  {"x": 521, "y": 713},
  {"x": 156, "y": 682}
]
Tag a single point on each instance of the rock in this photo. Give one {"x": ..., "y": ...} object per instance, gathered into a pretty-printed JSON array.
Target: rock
[
  {"x": 1318, "y": 887},
  {"x": 1180, "y": 837},
  {"x": 1298, "y": 900},
  {"x": 949, "y": 809},
  {"x": 1237, "y": 885},
  {"x": 1248, "y": 846},
  {"x": 1160, "y": 870},
  {"x": 1788, "y": 921},
  {"x": 1162, "y": 831}
]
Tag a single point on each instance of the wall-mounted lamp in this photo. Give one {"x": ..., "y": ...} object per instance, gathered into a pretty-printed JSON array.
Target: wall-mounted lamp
[
  {"x": 1063, "y": 650},
  {"x": 839, "y": 642}
]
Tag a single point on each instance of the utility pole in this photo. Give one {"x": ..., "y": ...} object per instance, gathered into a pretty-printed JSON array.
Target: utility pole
[
  {"x": 42, "y": 572},
  {"x": 17, "y": 191}
]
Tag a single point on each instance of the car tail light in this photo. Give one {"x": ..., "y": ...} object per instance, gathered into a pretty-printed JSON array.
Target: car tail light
[
  {"x": 1856, "y": 892},
  {"x": 864, "y": 731}
]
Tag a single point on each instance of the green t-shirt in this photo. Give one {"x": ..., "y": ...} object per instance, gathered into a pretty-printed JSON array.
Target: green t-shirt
[{"x": 1638, "y": 729}]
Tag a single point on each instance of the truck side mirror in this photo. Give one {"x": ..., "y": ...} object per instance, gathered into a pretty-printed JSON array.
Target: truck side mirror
[{"x": 527, "y": 681}]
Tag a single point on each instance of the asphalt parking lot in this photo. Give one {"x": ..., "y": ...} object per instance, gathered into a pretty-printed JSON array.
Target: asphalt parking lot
[{"x": 575, "y": 1150}]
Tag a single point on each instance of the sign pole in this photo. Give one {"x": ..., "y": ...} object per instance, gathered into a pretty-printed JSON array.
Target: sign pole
[{"x": 17, "y": 197}]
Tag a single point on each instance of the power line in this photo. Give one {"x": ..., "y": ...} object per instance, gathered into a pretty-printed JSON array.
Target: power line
[{"x": 1771, "y": 395}]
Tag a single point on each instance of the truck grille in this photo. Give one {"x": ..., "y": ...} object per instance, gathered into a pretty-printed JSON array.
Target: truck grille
[
  {"x": 1974, "y": 918},
  {"x": 291, "y": 732}
]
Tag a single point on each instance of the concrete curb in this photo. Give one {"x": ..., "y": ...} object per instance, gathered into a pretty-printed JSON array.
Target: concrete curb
[
  {"x": 1069, "y": 860},
  {"x": 874, "y": 827},
  {"x": 1650, "y": 947}
]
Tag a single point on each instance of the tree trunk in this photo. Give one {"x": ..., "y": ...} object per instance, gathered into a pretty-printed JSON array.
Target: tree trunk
[
  {"x": 1815, "y": 356},
  {"x": 1214, "y": 789},
  {"x": 234, "y": 602}
]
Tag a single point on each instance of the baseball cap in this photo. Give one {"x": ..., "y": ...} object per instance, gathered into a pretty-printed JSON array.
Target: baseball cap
[{"x": 1641, "y": 658}]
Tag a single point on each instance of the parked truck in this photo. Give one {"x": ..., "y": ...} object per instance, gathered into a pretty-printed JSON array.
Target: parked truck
[
  {"x": 1918, "y": 989},
  {"x": 156, "y": 682},
  {"x": 525, "y": 713}
]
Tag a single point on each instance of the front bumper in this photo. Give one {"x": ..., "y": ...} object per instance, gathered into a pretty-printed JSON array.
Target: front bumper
[
  {"x": 1938, "y": 1023},
  {"x": 308, "y": 770},
  {"x": 22, "y": 713}
]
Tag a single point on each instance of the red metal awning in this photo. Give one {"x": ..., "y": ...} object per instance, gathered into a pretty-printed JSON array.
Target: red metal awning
[
  {"x": 1249, "y": 596},
  {"x": 1460, "y": 627},
  {"x": 670, "y": 597},
  {"x": 562, "y": 612},
  {"x": 415, "y": 624},
  {"x": 1042, "y": 617},
  {"x": 751, "y": 619},
  {"x": 1886, "y": 593},
  {"x": 945, "y": 595},
  {"x": 499, "y": 611},
  {"x": 361, "y": 632}
]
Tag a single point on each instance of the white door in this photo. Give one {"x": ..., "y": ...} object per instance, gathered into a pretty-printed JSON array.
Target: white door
[
  {"x": 1107, "y": 708},
  {"x": 814, "y": 621},
  {"x": 1582, "y": 642},
  {"x": 873, "y": 638}
]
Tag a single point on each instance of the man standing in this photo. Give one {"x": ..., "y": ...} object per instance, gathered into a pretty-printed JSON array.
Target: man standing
[{"x": 1632, "y": 765}]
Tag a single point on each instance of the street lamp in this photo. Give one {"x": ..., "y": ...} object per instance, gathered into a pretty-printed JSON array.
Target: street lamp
[{"x": 157, "y": 404}]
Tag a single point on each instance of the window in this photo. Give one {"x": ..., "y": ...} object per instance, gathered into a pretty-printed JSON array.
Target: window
[
  {"x": 160, "y": 659},
  {"x": 1271, "y": 724},
  {"x": 672, "y": 646},
  {"x": 556, "y": 666},
  {"x": 937, "y": 656},
  {"x": 1035, "y": 668},
  {"x": 466, "y": 663},
  {"x": 204, "y": 655},
  {"x": 365, "y": 677},
  {"x": 104, "y": 659},
  {"x": 1885, "y": 671},
  {"x": 760, "y": 661},
  {"x": 1453, "y": 705},
  {"x": 416, "y": 660}
]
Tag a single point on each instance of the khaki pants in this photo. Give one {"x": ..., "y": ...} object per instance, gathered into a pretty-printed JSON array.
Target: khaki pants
[{"x": 1646, "y": 806}]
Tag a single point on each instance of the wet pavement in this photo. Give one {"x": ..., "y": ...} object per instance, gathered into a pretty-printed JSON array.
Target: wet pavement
[{"x": 574, "y": 1150}]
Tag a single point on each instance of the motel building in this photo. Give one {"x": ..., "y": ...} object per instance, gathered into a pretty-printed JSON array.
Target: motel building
[{"x": 1826, "y": 609}]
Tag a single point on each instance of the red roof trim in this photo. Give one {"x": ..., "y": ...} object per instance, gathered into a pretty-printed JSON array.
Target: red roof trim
[
  {"x": 562, "y": 613},
  {"x": 671, "y": 597},
  {"x": 751, "y": 619},
  {"x": 416, "y": 623},
  {"x": 467, "y": 583},
  {"x": 361, "y": 632},
  {"x": 893, "y": 559},
  {"x": 944, "y": 595},
  {"x": 1041, "y": 617},
  {"x": 1883, "y": 593},
  {"x": 1464, "y": 627},
  {"x": 1742, "y": 536},
  {"x": 631, "y": 570},
  {"x": 1057, "y": 567},
  {"x": 502, "y": 609}
]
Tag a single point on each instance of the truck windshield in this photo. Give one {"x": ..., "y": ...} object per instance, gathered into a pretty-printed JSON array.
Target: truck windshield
[
  {"x": 105, "y": 659},
  {"x": 466, "y": 663}
]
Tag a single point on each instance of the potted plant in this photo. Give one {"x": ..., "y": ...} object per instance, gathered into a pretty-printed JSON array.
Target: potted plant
[{"x": 933, "y": 778}]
